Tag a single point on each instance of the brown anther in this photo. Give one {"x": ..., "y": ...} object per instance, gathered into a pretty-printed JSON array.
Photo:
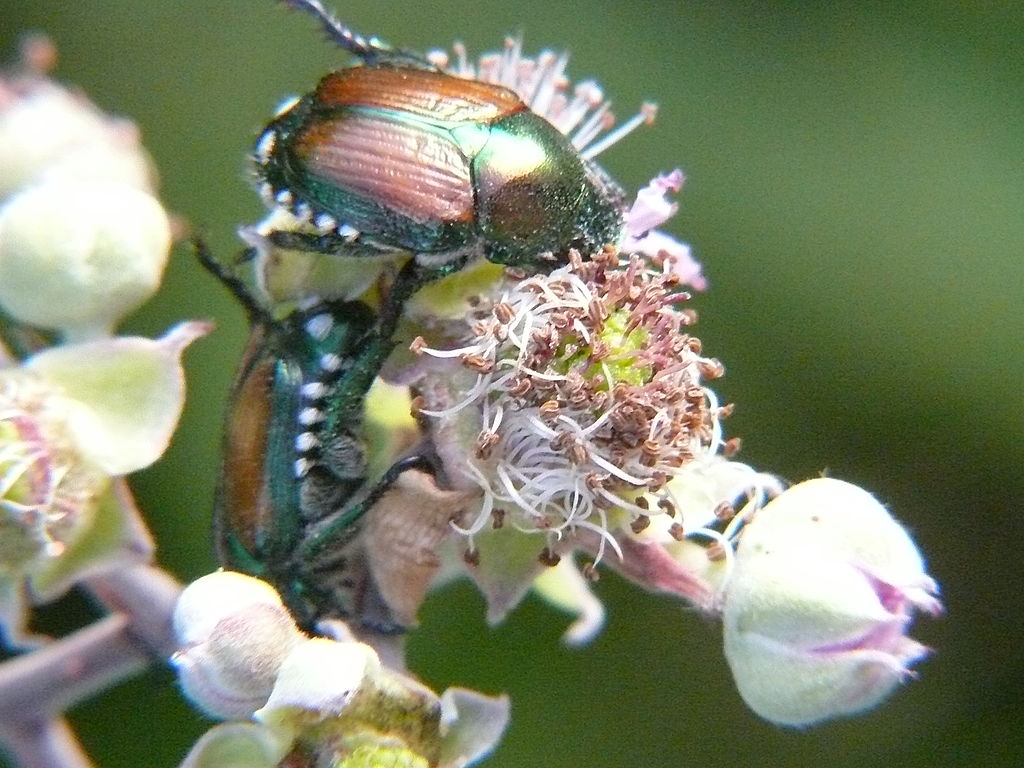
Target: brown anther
[
  {"x": 549, "y": 557},
  {"x": 416, "y": 405},
  {"x": 716, "y": 552},
  {"x": 504, "y": 312},
  {"x": 471, "y": 557},
  {"x": 485, "y": 443},
  {"x": 497, "y": 518},
  {"x": 711, "y": 368},
  {"x": 674, "y": 460},
  {"x": 656, "y": 481},
  {"x": 725, "y": 411},
  {"x": 515, "y": 273},
  {"x": 500, "y": 332},
  {"x": 675, "y": 396},
  {"x": 639, "y": 523},
  {"x": 579, "y": 396},
  {"x": 560, "y": 320},
  {"x": 590, "y": 572},
  {"x": 695, "y": 394},
  {"x": 418, "y": 345},
  {"x": 521, "y": 385},
  {"x": 725, "y": 511},
  {"x": 473, "y": 300},
  {"x": 641, "y": 501},
  {"x": 567, "y": 444},
  {"x": 666, "y": 506},
  {"x": 597, "y": 312},
  {"x": 649, "y": 452},
  {"x": 549, "y": 411},
  {"x": 732, "y": 446},
  {"x": 694, "y": 344},
  {"x": 676, "y": 531},
  {"x": 596, "y": 480},
  {"x": 37, "y": 54},
  {"x": 477, "y": 363}
]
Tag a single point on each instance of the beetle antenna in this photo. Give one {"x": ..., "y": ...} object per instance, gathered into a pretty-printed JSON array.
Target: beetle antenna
[
  {"x": 366, "y": 49},
  {"x": 371, "y": 50},
  {"x": 256, "y": 311}
]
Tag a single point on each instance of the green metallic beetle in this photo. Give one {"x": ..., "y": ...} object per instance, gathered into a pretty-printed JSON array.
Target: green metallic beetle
[
  {"x": 415, "y": 159},
  {"x": 294, "y": 481}
]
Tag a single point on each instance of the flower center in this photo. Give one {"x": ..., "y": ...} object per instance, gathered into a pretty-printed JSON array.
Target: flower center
[
  {"x": 45, "y": 490},
  {"x": 588, "y": 397}
]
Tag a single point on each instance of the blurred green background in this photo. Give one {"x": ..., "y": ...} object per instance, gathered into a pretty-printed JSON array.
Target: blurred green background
[{"x": 856, "y": 194}]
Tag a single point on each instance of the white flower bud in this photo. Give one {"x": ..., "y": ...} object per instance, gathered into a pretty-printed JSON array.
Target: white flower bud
[
  {"x": 77, "y": 256},
  {"x": 235, "y": 634},
  {"x": 47, "y": 130},
  {"x": 824, "y": 587},
  {"x": 319, "y": 676}
]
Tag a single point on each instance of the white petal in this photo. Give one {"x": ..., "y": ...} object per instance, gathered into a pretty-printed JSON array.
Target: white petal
[
  {"x": 124, "y": 395},
  {"x": 319, "y": 676},
  {"x": 814, "y": 628},
  {"x": 471, "y": 726},
  {"x": 238, "y": 745},
  {"x": 849, "y": 521},
  {"x": 565, "y": 587}
]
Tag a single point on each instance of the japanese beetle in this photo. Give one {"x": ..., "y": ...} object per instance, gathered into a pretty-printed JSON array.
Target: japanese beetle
[
  {"x": 415, "y": 159},
  {"x": 295, "y": 483}
]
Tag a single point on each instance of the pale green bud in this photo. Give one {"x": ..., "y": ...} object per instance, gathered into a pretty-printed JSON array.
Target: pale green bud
[
  {"x": 823, "y": 589},
  {"x": 77, "y": 256}
]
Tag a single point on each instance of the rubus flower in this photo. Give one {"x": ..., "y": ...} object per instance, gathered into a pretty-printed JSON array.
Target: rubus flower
[
  {"x": 305, "y": 701},
  {"x": 73, "y": 418},
  {"x": 578, "y": 404},
  {"x": 589, "y": 396},
  {"x": 816, "y": 608}
]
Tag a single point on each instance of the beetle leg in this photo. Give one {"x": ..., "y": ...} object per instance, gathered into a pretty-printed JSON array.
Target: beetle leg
[{"x": 332, "y": 244}]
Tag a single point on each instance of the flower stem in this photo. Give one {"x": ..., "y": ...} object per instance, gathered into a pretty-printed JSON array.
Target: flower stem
[
  {"x": 36, "y": 688},
  {"x": 46, "y": 743},
  {"x": 46, "y": 682}
]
